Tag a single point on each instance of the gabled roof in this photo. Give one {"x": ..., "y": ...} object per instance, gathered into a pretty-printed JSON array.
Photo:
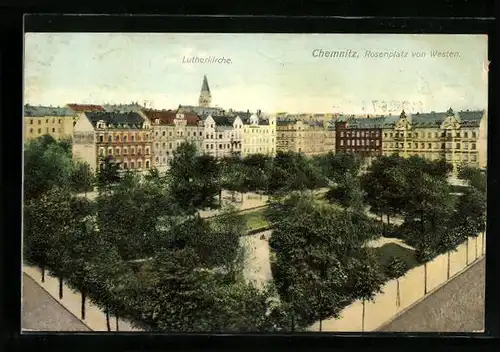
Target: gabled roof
[
  {"x": 130, "y": 119},
  {"x": 85, "y": 107},
  {"x": 470, "y": 118},
  {"x": 201, "y": 110},
  {"x": 224, "y": 120},
  {"x": 431, "y": 119},
  {"x": 166, "y": 117},
  {"x": 43, "y": 111}
]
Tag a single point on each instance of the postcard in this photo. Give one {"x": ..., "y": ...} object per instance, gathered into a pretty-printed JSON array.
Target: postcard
[{"x": 229, "y": 183}]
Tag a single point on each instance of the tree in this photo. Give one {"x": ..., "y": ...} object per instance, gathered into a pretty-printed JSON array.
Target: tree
[
  {"x": 108, "y": 173},
  {"x": 336, "y": 166},
  {"x": 51, "y": 216},
  {"x": 424, "y": 253},
  {"x": 347, "y": 193},
  {"x": 46, "y": 164},
  {"x": 365, "y": 279},
  {"x": 384, "y": 186},
  {"x": 394, "y": 270},
  {"x": 194, "y": 180},
  {"x": 81, "y": 178},
  {"x": 474, "y": 177}
]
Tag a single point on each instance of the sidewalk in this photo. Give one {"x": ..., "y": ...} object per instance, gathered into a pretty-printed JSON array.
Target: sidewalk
[{"x": 95, "y": 318}]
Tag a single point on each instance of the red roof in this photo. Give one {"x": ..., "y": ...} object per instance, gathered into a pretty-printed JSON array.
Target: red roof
[
  {"x": 85, "y": 108},
  {"x": 167, "y": 117}
]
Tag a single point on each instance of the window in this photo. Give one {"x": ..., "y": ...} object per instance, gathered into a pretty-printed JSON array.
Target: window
[
  {"x": 53, "y": 130},
  {"x": 349, "y": 142},
  {"x": 47, "y": 121},
  {"x": 39, "y": 130},
  {"x": 124, "y": 138},
  {"x": 448, "y": 145},
  {"x": 110, "y": 151},
  {"x": 458, "y": 145},
  {"x": 200, "y": 134},
  {"x": 131, "y": 138},
  {"x": 466, "y": 146},
  {"x": 132, "y": 165},
  {"x": 442, "y": 146},
  {"x": 163, "y": 133},
  {"x": 473, "y": 146},
  {"x": 169, "y": 145},
  {"x": 117, "y": 138},
  {"x": 416, "y": 145},
  {"x": 147, "y": 164},
  {"x": 429, "y": 135},
  {"x": 170, "y": 134},
  {"x": 31, "y": 130},
  {"x": 466, "y": 134},
  {"x": 473, "y": 157},
  {"x": 422, "y": 145},
  {"x": 474, "y": 134},
  {"x": 220, "y": 146},
  {"x": 147, "y": 151},
  {"x": 125, "y": 151},
  {"x": 139, "y": 164},
  {"x": 139, "y": 151},
  {"x": 110, "y": 138},
  {"x": 125, "y": 165},
  {"x": 101, "y": 151},
  {"x": 101, "y": 138},
  {"x": 377, "y": 142},
  {"x": 147, "y": 137},
  {"x": 429, "y": 146},
  {"x": 341, "y": 142},
  {"x": 132, "y": 151},
  {"x": 39, "y": 122}
]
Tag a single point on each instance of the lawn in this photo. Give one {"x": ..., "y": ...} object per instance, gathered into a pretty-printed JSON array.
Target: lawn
[
  {"x": 389, "y": 250},
  {"x": 255, "y": 219}
]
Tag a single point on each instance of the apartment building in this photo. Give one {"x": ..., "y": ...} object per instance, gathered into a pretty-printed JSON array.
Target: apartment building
[
  {"x": 125, "y": 136},
  {"x": 170, "y": 129},
  {"x": 310, "y": 137},
  {"x": 259, "y": 135},
  {"x": 54, "y": 121},
  {"x": 458, "y": 137},
  {"x": 362, "y": 136},
  {"x": 223, "y": 136}
]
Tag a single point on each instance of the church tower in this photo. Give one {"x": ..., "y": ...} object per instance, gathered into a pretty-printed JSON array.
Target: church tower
[{"x": 205, "y": 96}]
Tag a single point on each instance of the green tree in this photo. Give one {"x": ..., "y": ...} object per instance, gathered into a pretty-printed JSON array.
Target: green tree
[
  {"x": 474, "y": 177},
  {"x": 46, "y": 164},
  {"x": 81, "y": 178},
  {"x": 108, "y": 173},
  {"x": 347, "y": 193},
  {"x": 394, "y": 270},
  {"x": 194, "y": 180}
]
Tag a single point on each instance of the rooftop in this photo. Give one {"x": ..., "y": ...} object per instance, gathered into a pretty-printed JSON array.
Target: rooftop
[
  {"x": 115, "y": 119},
  {"x": 44, "y": 111},
  {"x": 85, "y": 107}
]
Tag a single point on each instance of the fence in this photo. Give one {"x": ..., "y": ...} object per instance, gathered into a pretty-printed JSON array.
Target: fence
[
  {"x": 95, "y": 318},
  {"x": 413, "y": 287}
]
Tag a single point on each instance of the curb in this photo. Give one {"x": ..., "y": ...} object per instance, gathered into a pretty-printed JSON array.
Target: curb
[
  {"x": 434, "y": 290},
  {"x": 55, "y": 300}
]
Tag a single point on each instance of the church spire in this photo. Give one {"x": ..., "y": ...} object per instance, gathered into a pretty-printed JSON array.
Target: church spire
[{"x": 205, "y": 96}]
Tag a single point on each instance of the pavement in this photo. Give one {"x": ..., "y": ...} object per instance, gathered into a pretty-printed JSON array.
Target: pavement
[
  {"x": 458, "y": 306},
  {"x": 41, "y": 312}
]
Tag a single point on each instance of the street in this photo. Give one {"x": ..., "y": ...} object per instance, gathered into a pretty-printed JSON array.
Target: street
[
  {"x": 41, "y": 312},
  {"x": 458, "y": 306}
]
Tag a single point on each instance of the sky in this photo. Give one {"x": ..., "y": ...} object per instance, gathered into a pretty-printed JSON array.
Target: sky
[{"x": 270, "y": 72}]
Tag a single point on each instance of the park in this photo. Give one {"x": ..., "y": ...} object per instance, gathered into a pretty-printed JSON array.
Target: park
[{"x": 242, "y": 244}]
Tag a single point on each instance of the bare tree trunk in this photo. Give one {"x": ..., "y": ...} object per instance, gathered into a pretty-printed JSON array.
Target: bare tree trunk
[
  {"x": 108, "y": 326},
  {"x": 388, "y": 220},
  {"x": 363, "y": 317},
  {"x": 43, "y": 274},
  {"x": 425, "y": 278},
  {"x": 448, "y": 268},
  {"x": 476, "y": 246},
  {"x": 398, "y": 297},
  {"x": 83, "y": 305},
  {"x": 467, "y": 251},
  {"x": 60, "y": 287},
  {"x": 320, "y": 325},
  {"x": 484, "y": 242},
  {"x": 116, "y": 323}
]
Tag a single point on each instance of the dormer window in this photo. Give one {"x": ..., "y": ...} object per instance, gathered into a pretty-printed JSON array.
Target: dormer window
[
  {"x": 157, "y": 121},
  {"x": 101, "y": 124}
]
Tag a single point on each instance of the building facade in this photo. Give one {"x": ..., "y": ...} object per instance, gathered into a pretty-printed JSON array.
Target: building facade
[
  {"x": 458, "y": 137},
  {"x": 361, "y": 136},
  {"x": 43, "y": 120},
  {"x": 126, "y": 137},
  {"x": 310, "y": 137},
  {"x": 223, "y": 136},
  {"x": 170, "y": 129},
  {"x": 259, "y": 135}
]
